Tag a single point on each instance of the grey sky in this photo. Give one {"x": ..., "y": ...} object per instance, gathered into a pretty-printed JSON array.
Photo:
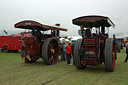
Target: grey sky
[{"x": 51, "y": 12}]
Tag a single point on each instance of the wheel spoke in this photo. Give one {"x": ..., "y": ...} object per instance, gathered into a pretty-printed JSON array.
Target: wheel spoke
[
  {"x": 49, "y": 56},
  {"x": 54, "y": 57},
  {"x": 50, "y": 44},
  {"x": 49, "y": 48},
  {"x": 56, "y": 49},
  {"x": 54, "y": 44}
]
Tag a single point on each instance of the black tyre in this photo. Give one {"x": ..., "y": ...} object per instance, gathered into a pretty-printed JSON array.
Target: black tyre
[
  {"x": 5, "y": 49},
  {"x": 110, "y": 54},
  {"x": 79, "y": 63},
  {"x": 50, "y": 51}
]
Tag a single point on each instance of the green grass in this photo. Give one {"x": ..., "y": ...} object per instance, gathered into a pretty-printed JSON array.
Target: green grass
[{"x": 14, "y": 72}]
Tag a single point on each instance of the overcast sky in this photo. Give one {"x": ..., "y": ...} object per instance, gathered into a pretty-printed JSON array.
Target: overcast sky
[{"x": 51, "y": 12}]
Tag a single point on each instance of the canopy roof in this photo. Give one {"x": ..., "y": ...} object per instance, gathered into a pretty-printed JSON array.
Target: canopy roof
[
  {"x": 29, "y": 24},
  {"x": 93, "y": 21}
]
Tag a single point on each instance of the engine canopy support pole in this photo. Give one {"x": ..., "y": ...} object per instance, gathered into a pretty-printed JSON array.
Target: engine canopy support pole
[{"x": 103, "y": 29}]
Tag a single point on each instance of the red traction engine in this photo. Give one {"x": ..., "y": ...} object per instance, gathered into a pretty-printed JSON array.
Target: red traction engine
[
  {"x": 42, "y": 44},
  {"x": 94, "y": 48}
]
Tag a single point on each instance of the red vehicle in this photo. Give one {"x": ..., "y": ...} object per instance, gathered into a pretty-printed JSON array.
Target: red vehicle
[
  {"x": 10, "y": 43},
  {"x": 44, "y": 42},
  {"x": 94, "y": 48}
]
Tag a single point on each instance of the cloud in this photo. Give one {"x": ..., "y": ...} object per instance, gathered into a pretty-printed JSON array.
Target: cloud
[{"x": 63, "y": 11}]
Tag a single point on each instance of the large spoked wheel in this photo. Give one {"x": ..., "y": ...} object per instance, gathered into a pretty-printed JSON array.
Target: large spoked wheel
[
  {"x": 50, "y": 51},
  {"x": 24, "y": 57},
  {"x": 79, "y": 63},
  {"x": 110, "y": 54},
  {"x": 5, "y": 49}
]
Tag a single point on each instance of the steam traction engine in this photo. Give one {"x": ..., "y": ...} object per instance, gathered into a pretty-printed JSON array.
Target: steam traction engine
[
  {"x": 41, "y": 44},
  {"x": 94, "y": 48}
]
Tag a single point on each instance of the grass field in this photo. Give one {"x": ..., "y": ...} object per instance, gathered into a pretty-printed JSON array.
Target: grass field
[{"x": 14, "y": 72}]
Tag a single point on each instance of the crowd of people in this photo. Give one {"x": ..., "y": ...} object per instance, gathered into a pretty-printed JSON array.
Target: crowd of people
[{"x": 68, "y": 52}]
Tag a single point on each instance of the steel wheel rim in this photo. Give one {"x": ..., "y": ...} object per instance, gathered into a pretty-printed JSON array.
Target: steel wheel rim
[{"x": 53, "y": 51}]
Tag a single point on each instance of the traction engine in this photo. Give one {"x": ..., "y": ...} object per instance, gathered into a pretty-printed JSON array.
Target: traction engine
[{"x": 94, "y": 48}]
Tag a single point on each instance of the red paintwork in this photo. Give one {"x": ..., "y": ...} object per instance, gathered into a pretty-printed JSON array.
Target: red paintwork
[
  {"x": 28, "y": 24},
  {"x": 34, "y": 43},
  {"x": 93, "y": 18},
  {"x": 94, "y": 46},
  {"x": 33, "y": 47},
  {"x": 92, "y": 49},
  {"x": 12, "y": 42}
]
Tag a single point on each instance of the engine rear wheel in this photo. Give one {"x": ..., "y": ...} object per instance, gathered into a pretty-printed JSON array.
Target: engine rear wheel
[
  {"x": 110, "y": 54},
  {"x": 79, "y": 63},
  {"x": 5, "y": 49},
  {"x": 50, "y": 51}
]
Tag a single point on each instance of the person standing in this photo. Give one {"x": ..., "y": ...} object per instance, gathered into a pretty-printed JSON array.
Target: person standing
[
  {"x": 68, "y": 52},
  {"x": 63, "y": 58},
  {"x": 126, "y": 52}
]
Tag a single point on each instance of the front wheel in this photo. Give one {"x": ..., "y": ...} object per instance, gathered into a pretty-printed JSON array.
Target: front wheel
[
  {"x": 110, "y": 54},
  {"x": 79, "y": 63}
]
